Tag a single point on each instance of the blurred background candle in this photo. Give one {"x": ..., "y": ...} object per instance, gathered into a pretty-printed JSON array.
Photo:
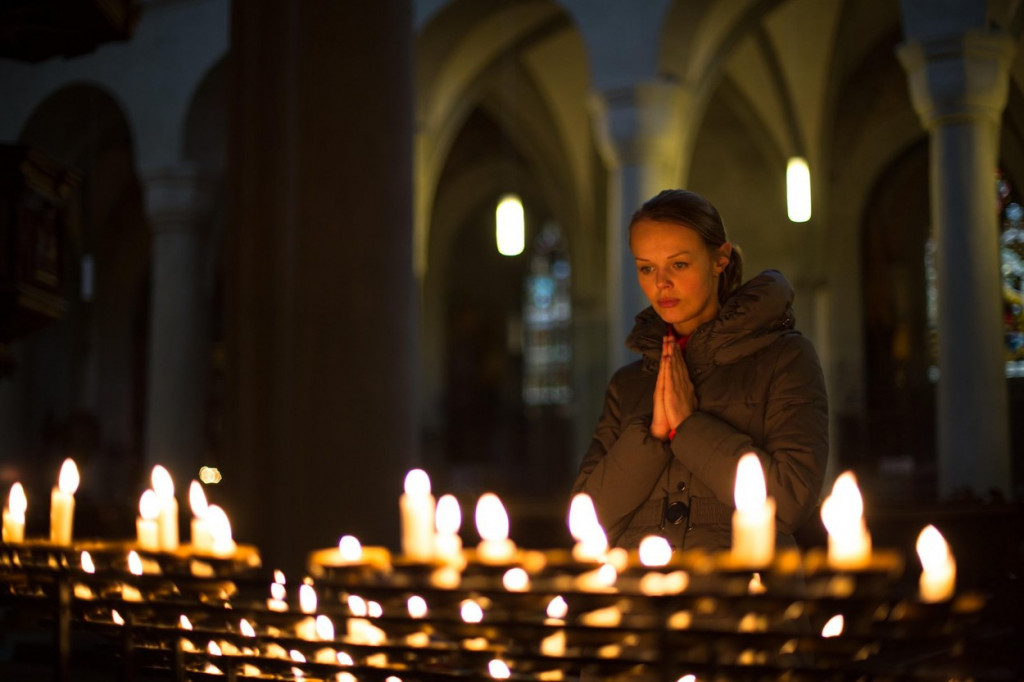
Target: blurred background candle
[
  {"x": 753, "y": 522},
  {"x": 938, "y": 575},
  {"x": 417, "y": 512},
  {"x": 492, "y": 524},
  {"x": 448, "y": 520},
  {"x": 202, "y": 540},
  {"x": 591, "y": 541},
  {"x": 146, "y": 530},
  {"x": 842, "y": 512},
  {"x": 62, "y": 504},
  {"x": 14, "y": 514},
  {"x": 222, "y": 544},
  {"x": 167, "y": 519}
]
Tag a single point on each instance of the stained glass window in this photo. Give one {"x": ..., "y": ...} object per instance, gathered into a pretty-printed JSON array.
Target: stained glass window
[{"x": 547, "y": 317}]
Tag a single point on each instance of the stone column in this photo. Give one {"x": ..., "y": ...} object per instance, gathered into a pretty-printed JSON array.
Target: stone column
[
  {"x": 320, "y": 334},
  {"x": 958, "y": 85},
  {"x": 178, "y": 202},
  {"x": 639, "y": 133}
]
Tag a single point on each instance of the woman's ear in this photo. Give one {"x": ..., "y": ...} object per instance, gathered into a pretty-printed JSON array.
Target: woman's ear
[{"x": 722, "y": 256}]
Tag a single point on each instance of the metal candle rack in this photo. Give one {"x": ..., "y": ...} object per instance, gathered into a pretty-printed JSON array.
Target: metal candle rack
[{"x": 700, "y": 616}]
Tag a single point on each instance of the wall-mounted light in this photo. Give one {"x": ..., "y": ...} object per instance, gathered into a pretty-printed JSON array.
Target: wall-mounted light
[
  {"x": 798, "y": 190},
  {"x": 510, "y": 226}
]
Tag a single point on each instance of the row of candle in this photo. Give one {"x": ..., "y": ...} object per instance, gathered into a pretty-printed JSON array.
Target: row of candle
[{"x": 156, "y": 526}]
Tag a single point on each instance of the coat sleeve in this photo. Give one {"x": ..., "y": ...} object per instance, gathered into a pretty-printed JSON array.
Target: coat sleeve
[
  {"x": 795, "y": 448},
  {"x": 621, "y": 466}
]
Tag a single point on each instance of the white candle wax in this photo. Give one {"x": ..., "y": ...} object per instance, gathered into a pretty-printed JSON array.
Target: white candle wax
[
  {"x": 416, "y": 505},
  {"x": 62, "y": 504},
  {"x": 448, "y": 520},
  {"x": 492, "y": 525},
  {"x": 146, "y": 527},
  {"x": 753, "y": 522},
  {"x": 167, "y": 519},
  {"x": 202, "y": 538},
  {"x": 14, "y": 515}
]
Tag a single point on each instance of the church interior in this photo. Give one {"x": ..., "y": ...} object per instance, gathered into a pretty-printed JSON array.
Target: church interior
[{"x": 254, "y": 242}]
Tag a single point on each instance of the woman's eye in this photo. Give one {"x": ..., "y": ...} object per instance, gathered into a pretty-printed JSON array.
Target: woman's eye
[
  {"x": 679, "y": 265},
  {"x": 646, "y": 269}
]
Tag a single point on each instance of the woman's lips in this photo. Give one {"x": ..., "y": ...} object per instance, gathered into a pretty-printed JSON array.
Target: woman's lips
[{"x": 668, "y": 302}]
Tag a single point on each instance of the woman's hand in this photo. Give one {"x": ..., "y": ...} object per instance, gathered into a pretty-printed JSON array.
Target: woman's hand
[{"x": 674, "y": 396}]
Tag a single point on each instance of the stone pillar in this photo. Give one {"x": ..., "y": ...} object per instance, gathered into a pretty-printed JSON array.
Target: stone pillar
[
  {"x": 320, "y": 334},
  {"x": 178, "y": 202},
  {"x": 639, "y": 133},
  {"x": 958, "y": 85}
]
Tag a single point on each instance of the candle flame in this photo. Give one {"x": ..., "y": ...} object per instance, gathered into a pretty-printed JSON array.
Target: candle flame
[
  {"x": 834, "y": 626},
  {"x": 470, "y": 611},
  {"x": 214, "y": 648},
  {"x": 357, "y": 605},
  {"x": 558, "y": 607},
  {"x": 277, "y": 591},
  {"x": 218, "y": 525},
  {"x": 844, "y": 508},
  {"x": 184, "y": 623},
  {"x": 163, "y": 484},
  {"x": 324, "y": 628},
  {"x": 448, "y": 515},
  {"x": 296, "y": 656},
  {"x": 116, "y": 617},
  {"x": 279, "y": 576},
  {"x": 417, "y": 483},
  {"x": 491, "y": 518},
  {"x": 350, "y": 548},
  {"x": 607, "y": 575},
  {"x": 68, "y": 480},
  {"x": 134, "y": 563},
  {"x": 345, "y": 659},
  {"x": 246, "y": 628},
  {"x": 499, "y": 669},
  {"x": 197, "y": 499},
  {"x": 585, "y": 527},
  {"x": 17, "y": 503},
  {"x": 655, "y": 551},
  {"x": 516, "y": 580},
  {"x": 87, "y": 564},
  {"x": 932, "y": 548},
  {"x": 688, "y": 678},
  {"x": 307, "y": 598},
  {"x": 750, "y": 494},
  {"x": 374, "y": 609},
  {"x": 417, "y": 606},
  {"x": 149, "y": 505}
]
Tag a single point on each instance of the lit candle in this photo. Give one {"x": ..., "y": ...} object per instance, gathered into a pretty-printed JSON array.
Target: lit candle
[
  {"x": 753, "y": 522},
  {"x": 146, "y": 524},
  {"x": 591, "y": 541},
  {"x": 417, "y": 512},
  {"x": 350, "y": 550},
  {"x": 14, "y": 514},
  {"x": 938, "y": 575},
  {"x": 842, "y": 512},
  {"x": 222, "y": 544},
  {"x": 492, "y": 525},
  {"x": 358, "y": 628},
  {"x": 448, "y": 520},
  {"x": 202, "y": 539},
  {"x": 62, "y": 504},
  {"x": 654, "y": 550},
  {"x": 167, "y": 519}
]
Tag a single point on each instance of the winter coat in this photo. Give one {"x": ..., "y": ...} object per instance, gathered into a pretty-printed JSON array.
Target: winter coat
[{"x": 759, "y": 388}]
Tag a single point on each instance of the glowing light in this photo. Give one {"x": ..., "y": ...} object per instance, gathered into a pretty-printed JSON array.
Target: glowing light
[
  {"x": 491, "y": 518},
  {"x": 197, "y": 499},
  {"x": 510, "y": 226},
  {"x": 296, "y": 656},
  {"x": 134, "y": 563},
  {"x": 938, "y": 577},
  {"x": 219, "y": 527},
  {"x": 499, "y": 669},
  {"x": 324, "y": 628},
  {"x": 184, "y": 623},
  {"x": 357, "y": 605},
  {"x": 246, "y": 628},
  {"x": 557, "y": 607},
  {"x": 374, "y": 609},
  {"x": 687, "y": 678},
  {"x": 149, "y": 505},
  {"x": 214, "y": 649},
  {"x": 834, "y": 626},
  {"x": 345, "y": 659},
  {"x": 417, "y": 483},
  {"x": 448, "y": 517},
  {"x": 68, "y": 480},
  {"x": 516, "y": 580},
  {"x": 277, "y": 591},
  {"x": 162, "y": 482},
  {"x": 209, "y": 475},
  {"x": 279, "y": 576},
  {"x": 798, "y": 190},
  {"x": 307, "y": 598},
  {"x": 842, "y": 512},
  {"x": 417, "y": 606},
  {"x": 655, "y": 551},
  {"x": 17, "y": 503},
  {"x": 591, "y": 541},
  {"x": 116, "y": 617},
  {"x": 470, "y": 611},
  {"x": 750, "y": 493},
  {"x": 87, "y": 564}
]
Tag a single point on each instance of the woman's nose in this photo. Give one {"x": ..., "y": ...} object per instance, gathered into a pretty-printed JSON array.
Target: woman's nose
[{"x": 661, "y": 280}]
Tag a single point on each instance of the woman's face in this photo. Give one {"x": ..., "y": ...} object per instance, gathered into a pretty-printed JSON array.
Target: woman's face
[{"x": 678, "y": 272}]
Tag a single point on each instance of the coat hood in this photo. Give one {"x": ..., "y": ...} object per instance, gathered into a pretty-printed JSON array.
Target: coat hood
[{"x": 754, "y": 316}]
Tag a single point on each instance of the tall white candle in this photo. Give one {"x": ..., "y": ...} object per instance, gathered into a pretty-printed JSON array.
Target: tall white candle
[
  {"x": 62, "y": 504},
  {"x": 938, "y": 575},
  {"x": 202, "y": 540},
  {"x": 492, "y": 524},
  {"x": 167, "y": 520},
  {"x": 417, "y": 513},
  {"x": 146, "y": 525},
  {"x": 842, "y": 512},
  {"x": 753, "y": 522},
  {"x": 448, "y": 520},
  {"x": 14, "y": 514}
]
